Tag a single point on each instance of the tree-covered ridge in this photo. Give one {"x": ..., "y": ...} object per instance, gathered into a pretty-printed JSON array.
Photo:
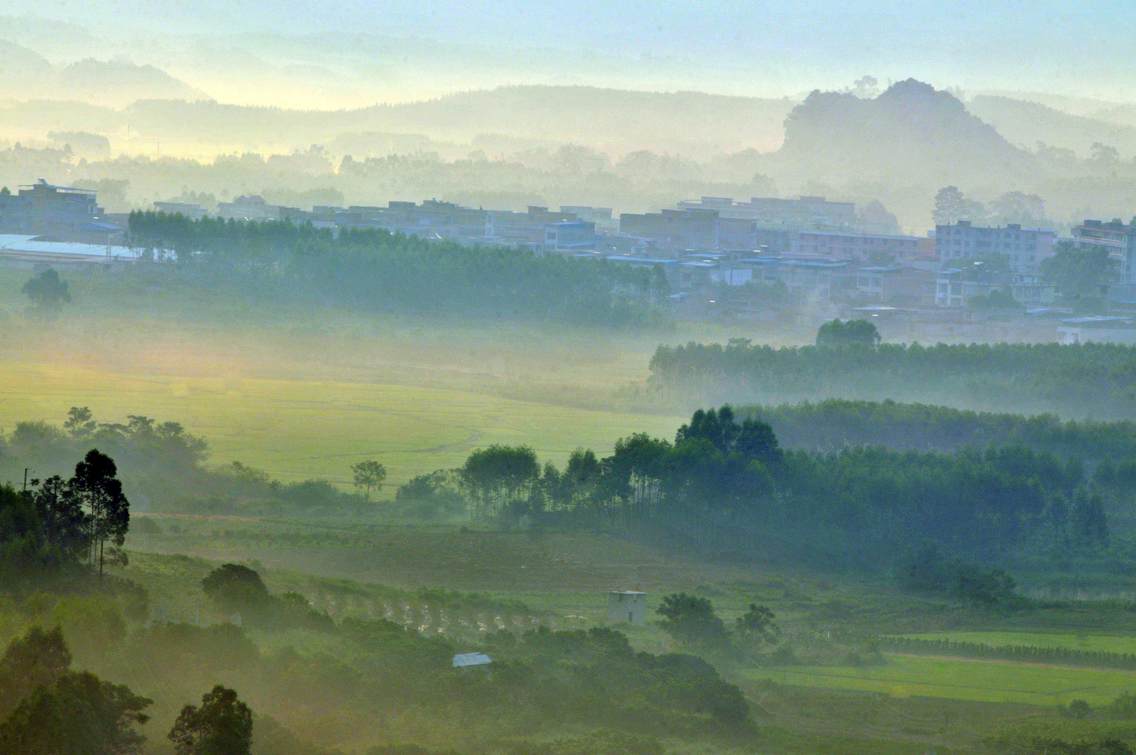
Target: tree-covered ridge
[
  {"x": 380, "y": 271},
  {"x": 839, "y": 423},
  {"x": 1093, "y": 380}
]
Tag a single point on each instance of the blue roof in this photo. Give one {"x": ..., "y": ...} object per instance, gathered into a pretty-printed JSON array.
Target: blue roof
[
  {"x": 639, "y": 260},
  {"x": 463, "y": 660}
]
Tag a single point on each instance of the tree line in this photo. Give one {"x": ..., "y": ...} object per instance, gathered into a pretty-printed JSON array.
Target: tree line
[
  {"x": 1089, "y": 380},
  {"x": 374, "y": 270},
  {"x": 726, "y": 484}
]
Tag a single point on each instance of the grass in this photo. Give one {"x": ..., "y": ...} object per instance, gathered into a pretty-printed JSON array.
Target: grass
[
  {"x": 305, "y": 392},
  {"x": 963, "y": 679},
  {"x": 305, "y": 428}
]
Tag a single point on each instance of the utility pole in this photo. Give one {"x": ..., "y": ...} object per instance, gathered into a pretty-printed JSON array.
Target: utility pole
[{"x": 25, "y": 479}]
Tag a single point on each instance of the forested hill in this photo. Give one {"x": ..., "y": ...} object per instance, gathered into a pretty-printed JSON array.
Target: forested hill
[
  {"x": 373, "y": 270},
  {"x": 1083, "y": 381}
]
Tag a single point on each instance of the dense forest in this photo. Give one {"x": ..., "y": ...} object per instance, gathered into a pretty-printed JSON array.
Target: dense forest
[
  {"x": 727, "y": 487},
  {"x": 374, "y": 270},
  {"x": 1085, "y": 380}
]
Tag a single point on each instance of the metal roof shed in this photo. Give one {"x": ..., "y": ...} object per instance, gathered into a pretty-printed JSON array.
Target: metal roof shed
[{"x": 465, "y": 660}]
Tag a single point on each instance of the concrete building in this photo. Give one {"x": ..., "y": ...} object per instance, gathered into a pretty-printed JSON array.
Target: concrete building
[
  {"x": 524, "y": 228},
  {"x": 627, "y": 607},
  {"x": 859, "y": 247},
  {"x": 894, "y": 284},
  {"x": 603, "y": 217},
  {"x": 570, "y": 236},
  {"x": 806, "y": 279},
  {"x": 1115, "y": 237},
  {"x": 187, "y": 209},
  {"x": 1024, "y": 248},
  {"x": 1097, "y": 329},
  {"x": 674, "y": 230},
  {"x": 61, "y": 211},
  {"x": 805, "y": 212},
  {"x": 248, "y": 207}
]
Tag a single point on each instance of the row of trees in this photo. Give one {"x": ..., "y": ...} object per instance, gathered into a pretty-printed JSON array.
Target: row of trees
[
  {"x": 1084, "y": 379},
  {"x": 1020, "y": 653},
  {"x": 379, "y": 271},
  {"x": 727, "y": 484},
  {"x": 46, "y": 708}
]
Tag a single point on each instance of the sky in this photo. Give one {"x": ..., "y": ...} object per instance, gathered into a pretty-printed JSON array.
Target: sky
[{"x": 758, "y": 47}]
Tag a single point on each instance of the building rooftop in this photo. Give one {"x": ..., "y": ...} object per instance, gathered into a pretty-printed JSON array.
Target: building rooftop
[{"x": 464, "y": 660}]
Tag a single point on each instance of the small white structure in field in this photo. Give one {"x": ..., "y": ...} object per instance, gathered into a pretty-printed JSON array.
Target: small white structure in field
[
  {"x": 465, "y": 660},
  {"x": 627, "y": 607}
]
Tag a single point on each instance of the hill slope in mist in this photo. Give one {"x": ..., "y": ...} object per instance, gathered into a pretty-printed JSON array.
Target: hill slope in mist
[
  {"x": 25, "y": 74},
  {"x": 691, "y": 123},
  {"x": 1026, "y": 123}
]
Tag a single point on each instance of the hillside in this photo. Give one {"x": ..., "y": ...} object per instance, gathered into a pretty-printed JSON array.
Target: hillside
[
  {"x": 25, "y": 74},
  {"x": 687, "y": 122},
  {"x": 1026, "y": 123}
]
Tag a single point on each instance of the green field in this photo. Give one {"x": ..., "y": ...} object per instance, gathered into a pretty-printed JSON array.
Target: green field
[
  {"x": 1108, "y": 643},
  {"x": 963, "y": 679},
  {"x": 308, "y": 428}
]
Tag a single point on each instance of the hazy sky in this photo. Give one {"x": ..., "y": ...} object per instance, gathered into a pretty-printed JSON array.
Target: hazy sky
[{"x": 777, "y": 47}]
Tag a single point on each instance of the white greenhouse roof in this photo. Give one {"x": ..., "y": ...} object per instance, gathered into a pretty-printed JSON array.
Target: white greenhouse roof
[{"x": 32, "y": 246}]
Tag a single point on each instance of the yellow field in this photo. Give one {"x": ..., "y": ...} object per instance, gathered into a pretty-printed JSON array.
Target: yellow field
[{"x": 302, "y": 428}]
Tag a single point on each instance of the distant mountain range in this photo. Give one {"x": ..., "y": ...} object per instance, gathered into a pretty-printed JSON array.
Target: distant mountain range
[{"x": 25, "y": 74}]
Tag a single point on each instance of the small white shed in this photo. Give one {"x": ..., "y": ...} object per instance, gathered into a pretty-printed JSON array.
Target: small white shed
[
  {"x": 465, "y": 660},
  {"x": 627, "y": 607}
]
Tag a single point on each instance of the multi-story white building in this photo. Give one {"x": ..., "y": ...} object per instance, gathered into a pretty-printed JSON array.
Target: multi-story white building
[{"x": 1024, "y": 248}]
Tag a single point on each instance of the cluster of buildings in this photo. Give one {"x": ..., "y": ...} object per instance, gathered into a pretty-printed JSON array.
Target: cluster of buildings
[
  {"x": 720, "y": 255},
  {"x": 60, "y": 225}
]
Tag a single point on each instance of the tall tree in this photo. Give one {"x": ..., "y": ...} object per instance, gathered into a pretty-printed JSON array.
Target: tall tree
[
  {"x": 500, "y": 476},
  {"x": 99, "y": 492},
  {"x": 80, "y": 422},
  {"x": 367, "y": 475},
  {"x": 1079, "y": 272},
  {"x": 222, "y": 725},
  {"x": 951, "y": 206}
]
